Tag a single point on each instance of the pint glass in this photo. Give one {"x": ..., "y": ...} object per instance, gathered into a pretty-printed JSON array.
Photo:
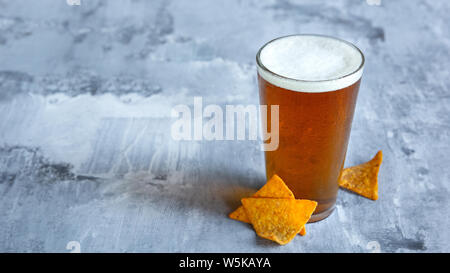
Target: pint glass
[{"x": 314, "y": 80}]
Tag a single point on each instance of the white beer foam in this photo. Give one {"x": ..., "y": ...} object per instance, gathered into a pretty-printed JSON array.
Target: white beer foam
[{"x": 310, "y": 63}]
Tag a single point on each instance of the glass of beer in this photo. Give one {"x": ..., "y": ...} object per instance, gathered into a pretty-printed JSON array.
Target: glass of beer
[{"x": 314, "y": 80}]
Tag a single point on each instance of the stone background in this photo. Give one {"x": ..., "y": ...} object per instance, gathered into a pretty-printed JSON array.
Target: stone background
[{"x": 85, "y": 148}]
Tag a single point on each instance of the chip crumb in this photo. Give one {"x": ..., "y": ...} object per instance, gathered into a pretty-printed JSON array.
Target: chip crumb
[{"x": 303, "y": 231}]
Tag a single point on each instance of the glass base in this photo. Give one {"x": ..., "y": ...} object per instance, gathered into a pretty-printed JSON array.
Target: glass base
[{"x": 320, "y": 216}]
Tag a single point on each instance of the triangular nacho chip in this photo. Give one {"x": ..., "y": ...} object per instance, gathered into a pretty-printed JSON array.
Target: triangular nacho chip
[
  {"x": 274, "y": 188},
  {"x": 240, "y": 215},
  {"x": 363, "y": 179},
  {"x": 278, "y": 220}
]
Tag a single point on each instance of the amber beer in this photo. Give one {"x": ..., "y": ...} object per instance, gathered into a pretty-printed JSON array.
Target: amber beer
[{"x": 314, "y": 80}]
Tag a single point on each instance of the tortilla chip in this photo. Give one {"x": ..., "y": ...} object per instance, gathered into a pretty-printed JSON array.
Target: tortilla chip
[
  {"x": 278, "y": 220},
  {"x": 240, "y": 215},
  {"x": 274, "y": 188},
  {"x": 363, "y": 179}
]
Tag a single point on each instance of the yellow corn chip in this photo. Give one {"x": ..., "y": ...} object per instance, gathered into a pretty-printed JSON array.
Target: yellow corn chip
[
  {"x": 278, "y": 220},
  {"x": 274, "y": 188},
  {"x": 363, "y": 179},
  {"x": 239, "y": 214}
]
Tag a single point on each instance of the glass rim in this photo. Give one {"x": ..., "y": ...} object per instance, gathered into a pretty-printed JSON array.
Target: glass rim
[{"x": 261, "y": 65}]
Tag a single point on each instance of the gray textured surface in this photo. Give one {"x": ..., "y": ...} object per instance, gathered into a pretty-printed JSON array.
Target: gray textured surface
[{"x": 85, "y": 99}]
